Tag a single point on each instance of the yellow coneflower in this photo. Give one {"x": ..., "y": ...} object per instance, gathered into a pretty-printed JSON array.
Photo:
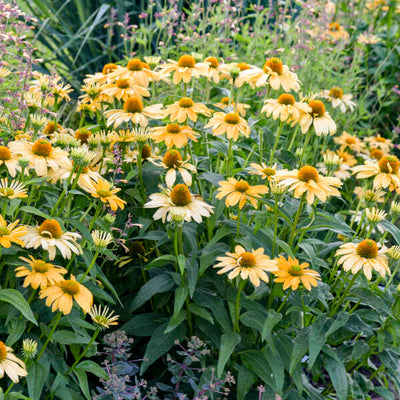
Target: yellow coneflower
[
  {"x": 238, "y": 107},
  {"x": 185, "y": 109},
  {"x": 103, "y": 190},
  {"x": 286, "y": 108},
  {"x": 11, "y": 233},
  {"x": 10, "y": 364},
  {"x": 291, "y": 273},
  {"x": 348, "y": 141},
  {"x": 173, "y": 135},
  {"x": 178, "y": 201},
  {"x": 252, "y": 265},
  {"x": 61, "y": 296},
  {"x": 39, "y": 273},
  {"x": 232, "y": 124},
  {"x": 135, "y": 112},
  {"x": 14, "y": 190},
  {"x": 385, "y": 172},
  {"x": 239, "y": 192},
  {"x": 264, "y": 171},
  {"x": 308, "y": 181},
  {"x": 379, "y": 142},
  {"x": 275, "y": 73},
  {"x": 9, "y": 160},
  {"x": 365, "y": 255},
  {"x": 184, "y": 69},
  {"x": 336, "y": 31},
  {"x": 339, "y": 100},
  {"x": 41, "y": 155},
  {"x": 319, "y": 118},
  {"x": 123, "y": 88},
  {"x": 50, "y": 237},
  {"x": 103, "y": 318}
]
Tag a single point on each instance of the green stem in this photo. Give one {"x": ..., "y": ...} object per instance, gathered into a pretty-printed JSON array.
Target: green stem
[
  {"x": 275, "y": 226},
  {"x": 96, "y": 214},
  {"x": 238, "y": 223},
  {"x": 56, "y": 321},
  {"x": 307, "y": 139},
  {"x": 90, "y": 266},
  {"x": 278, "y": 135},
  {"x": 284, "y": 301},
  {"x": 230, "y": 157},
  {"x": 345, "y": 293},
  {"x": 83, "y": 352},
  {"x": 241, "y": 285},
  {"x": 296, "y": 220},
  {"x": 293, "y": 138}
]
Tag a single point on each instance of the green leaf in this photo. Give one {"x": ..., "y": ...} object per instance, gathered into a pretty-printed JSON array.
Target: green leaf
[
  {"x": 253, "y": 319},
  {"x": 181, "y": 263},
  {"x": 16, "y": 299},
  {"x": 35, "y": 380},
  {"x": 175, "y": 321},
  {"x": 201, "y": 312},
  {"x": 228, "y": 344},
  {"x": 255, "y": 361},
  {"x": 142, "y": 324},
  {"x": 83, "y": 382},
  {"x": 275, "y": 362},
  {"x": 245, "y": 380},
  {"x": 35, "y": 211},
  {"x": 161, "y": 261},
  {"x": 340, "y": 321},
  {"x": 337, "y": 373},
  {"x": 300, "y": 348},
  {"x": 93, "y": 368},
  {"x": 316, "y": 339},
  {"x": 160, "y": 343},
  {"x": 272, "y": 319},
  {"x": 159, "y": 284}
]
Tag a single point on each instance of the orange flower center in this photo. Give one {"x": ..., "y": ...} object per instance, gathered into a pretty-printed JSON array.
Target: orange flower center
[
  {"x": 3, "y": 351},
  {"x": 50, "y": 128},
  {"x": 82, "y": 134},
  {"x": 186, "y": 61},
  {"x": 4, "y": 231},
  {"x": 70, "y": 287},
  {"x": 5, "y": 153},
  {"x": 308, "y": 173},
  {"x": 172, "y": 159},
  {"x": 242, "y": 186},
  {"x": 274, "y": 64},
  {"x": 344, "y": 155},
  {"x": 185, "y": 102},
  {"x": 269, "y": 171},
  {"x": 286, "y": 99},
  {"x": 247, "y": 260},
  {"x": 135, "y": 65},
  {"x": 42, "y": 148},
  {"x": 350, "y": 140},
  {"x": 50, "y": 228},
  {"x": 137, "y": 249},
  {"x": 133, "y": 105},
  {"x": 180, "y": 195},
  {"x": 295, "y": 270},
  {"x": 367, "y": 249},
  {"x": 145, "y": 65},
  {"x": 334, "y": 27},
  {"x": 122, "y": 83},
  {"x": 380, "y": 139},
  {"x": 103, "y": 192},
  {"x": 232, "y": 118},
  {"x": 336, "y": 92},
  {"x": 214, "y": 63},
  {"x": 393, "y": 161},
  {"x": 225, "y": 100},
  {"x": 40, "y": 266},
  {"x": 7, "y": 192},
  {"x": 173, "y": 128},
  {"x": 146, "y": 151},
  {"x": 109, "y": 68},
  {"x": 376, "y": 153},
  {"x": 243, "y": 66},
  {"x": 318, "y": 108}
]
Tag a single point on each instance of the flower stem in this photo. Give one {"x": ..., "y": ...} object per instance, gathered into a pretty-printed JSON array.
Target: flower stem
[
  {"x": 278, "y": 135},
  {"x": 237, "y": 305},
  {"x": 238, "y": 223},
  {"x": 90, "y": 266},
  {"x": 296, "y": 220},
  {"x": 307, "y": 139},
  {"x": 83, "y": 352},
  {"x": 56, "y": 321},
  {"x": 343, "y": 296}
]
